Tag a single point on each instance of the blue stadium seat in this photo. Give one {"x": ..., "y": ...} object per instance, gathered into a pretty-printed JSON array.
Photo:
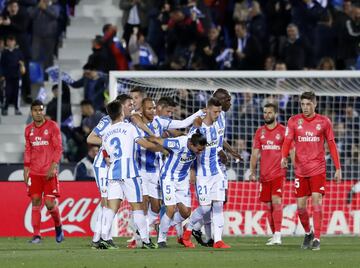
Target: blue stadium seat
[{"x": 36, "y": 72}]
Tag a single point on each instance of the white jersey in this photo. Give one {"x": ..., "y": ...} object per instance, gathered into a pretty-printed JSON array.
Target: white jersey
[
  {"x": 119, "y": 141},
  {"x": 221, "y": 125},
  {"x": 177, "y": 165},
  {"x": 207, "y": 163},
  {"x": 99, "y": 130}
]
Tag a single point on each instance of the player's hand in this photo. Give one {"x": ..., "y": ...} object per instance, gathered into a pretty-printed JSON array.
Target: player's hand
[
  {"x": 237, "y": 156},
  {"x": 338, "y": 176},
  {"x": 108, "y": 162},
  {"x": 223, "y": 157},
  {"x": 197, "y": 122},
  {"x": 51, "y": 172},
  {"x": 252, "y": 177},
  {"x": 284, "y": 162},
  {"x": 26, "y": 175}
]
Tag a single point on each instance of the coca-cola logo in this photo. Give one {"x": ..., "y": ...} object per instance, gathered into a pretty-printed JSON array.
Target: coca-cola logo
[{"x": 74, "y": 214}]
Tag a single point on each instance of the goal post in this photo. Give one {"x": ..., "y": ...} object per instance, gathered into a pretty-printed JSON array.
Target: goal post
[{"x": 338, "y": 97}]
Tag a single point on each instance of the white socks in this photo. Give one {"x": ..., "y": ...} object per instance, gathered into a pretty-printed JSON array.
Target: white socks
[
  {"x": 140, "y": 223},
  {"x": 107, "y": 220},
  {"x": 98, "y": 225},
  {"x": 218, "y": 220},
  {"x": 198, "y": 215},
  {"x": 164, "y": 228}
]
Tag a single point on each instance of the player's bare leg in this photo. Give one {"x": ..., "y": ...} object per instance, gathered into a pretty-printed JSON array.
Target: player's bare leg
[
  {"x": 276, "y": 218},
  {"x": 51, "y": 205},
  {"x": 304, "y": 219},
  {"x": 36, "y": 218},
  {"x": 317, "y": 216},
  {"x": 153, "y": 212}
]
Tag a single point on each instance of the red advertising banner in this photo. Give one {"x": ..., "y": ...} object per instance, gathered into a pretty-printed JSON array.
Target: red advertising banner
[{"x": 244, "y": 214}]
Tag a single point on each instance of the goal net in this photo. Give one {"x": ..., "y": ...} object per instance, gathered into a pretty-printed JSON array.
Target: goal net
[{"x": 338, "y": 98}]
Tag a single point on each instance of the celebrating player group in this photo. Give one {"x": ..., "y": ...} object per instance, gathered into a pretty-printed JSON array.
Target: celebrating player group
[{"x": 146, "y": 160}]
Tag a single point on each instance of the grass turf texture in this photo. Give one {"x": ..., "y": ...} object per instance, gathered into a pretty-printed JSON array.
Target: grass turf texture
[{"x": 245, "y": 252}]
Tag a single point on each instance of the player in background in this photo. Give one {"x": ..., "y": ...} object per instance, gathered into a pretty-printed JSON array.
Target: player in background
[
  {"x": 43, "y": 152},
  {"x": 267, "y": 144},
  {"x": 123, "y": 177},
  {"x": 310, "y": 130},
  {"x": 210, "y": 180},
  {"x": 174, "y": 176},
  {"x": 100, "y": 165},
  {"x": 137, "y": 94},
  {"x": 225, "y": 99}
]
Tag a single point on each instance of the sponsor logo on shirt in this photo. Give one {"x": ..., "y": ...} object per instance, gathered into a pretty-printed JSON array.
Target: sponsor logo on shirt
[
  {"x": 39, "y": 142},
  {"x": 32, "y": 132},
  {"x": 309, "y": 137},
  {"x": 186, "y": 158},
  {"x": 270, "y": 146},
  {"x": 300, "y": 123},
  {"x": 211, "y": 144},
  {"x": 278, "y": 136},
  {"x": 262, "y": 134},
  {"x": 46, "y": 132},
  {"x": 318, "y": 126}
]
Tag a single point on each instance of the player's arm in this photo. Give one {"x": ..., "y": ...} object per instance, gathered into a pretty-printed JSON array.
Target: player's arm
[
  {"x": 231, "y": 151},
  {"x": 137, "y": 120},
  {"x": 27, "y": 158},
  {"x": 93, "y": 138},
  {"x": 288, "y": 141},
  {"x": 330, "y": 139},
  {"x": 253, "y": 160},
  {"x": 175, "y": 124},
  {"x": 57, "y": 151},
  {"x": 154, "y": 147}
]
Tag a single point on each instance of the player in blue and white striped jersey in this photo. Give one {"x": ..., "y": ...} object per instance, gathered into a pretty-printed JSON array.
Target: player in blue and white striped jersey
[
  {"x": 174, "y": 176},
  {"x": 149, "y": 162},
  {"x": 210, "y": 180},
  {"x": 119, "y": 141},
  {"x": 100, "y": 166}
]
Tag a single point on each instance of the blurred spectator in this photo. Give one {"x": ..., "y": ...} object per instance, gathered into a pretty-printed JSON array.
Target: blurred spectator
[
  {"x": 248, "y": 51},
  {"x": 211, "y": 50},
  {"x": 295, "y": 52},
  {"x": 269, "y": 63},
  {"x": 44, "y": 32},
  {"x": 90, "y": 117},
  {"x": 84, "y": 168},
  {"x": 12, "y": 67},
  {"x": 94, "y": 85},
  {"x": 99, "y": 57},
  {"x": 326, "y": 64},
  {"x": 257, "y": 24},
  {"x": 66, "y": 113},
  {"x": 15, "y": 21},
  {"x": 134, "y": 15},
  {"x": 141, "y": 53}
]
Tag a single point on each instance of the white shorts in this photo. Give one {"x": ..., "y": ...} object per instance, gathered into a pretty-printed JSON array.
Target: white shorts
[
  {"x": 129, "y": 189},
  {"x": 210, "y": 188},
  {"x": 101, "y": 180},
  {"x": 223, "y": 169},
  {"x": 151, "y": 184},
  {"x": 175, "y": 192}
]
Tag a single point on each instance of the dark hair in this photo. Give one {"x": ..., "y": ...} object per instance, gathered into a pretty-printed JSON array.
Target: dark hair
[
  {"x": 165, "y": 102},
  {"x": 243, "y": 24},
  {"x": 220, "y": 91},
  {"x": 11, "y": 37},
  {"x": 86, "y": 102},
  {"x": 138, "y": 89},
  {"x": 198, "y": 138},
  {"x": 213, "y": 102},
  {"x": 271, "y": 105},
  {"x": 9, "y": 2},
  {"x": 308, "y": 95},
  {"x": 123, "y": 97},
  {"x": 106, "y": 27},
  {"x": 146, "y": 100},
  {"x": 114, "y": 109},
  {"x": 36, "y": 103}
]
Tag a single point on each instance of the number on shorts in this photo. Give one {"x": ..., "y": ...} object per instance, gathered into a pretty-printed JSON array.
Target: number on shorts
[
  {"x": 201, "y": 188},
  {"x": 116, "y": 142},
  {"x": 168, "y": 189},
  {"x": 297, "y": 182}
]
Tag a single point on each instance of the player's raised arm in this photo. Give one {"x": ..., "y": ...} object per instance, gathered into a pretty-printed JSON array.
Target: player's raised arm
[
  {"x": 137, "y": 120},
  {"x": 93, "y": 138},
  {"x": 185, "y": 122},
  {"x": 150, "y": 145}
]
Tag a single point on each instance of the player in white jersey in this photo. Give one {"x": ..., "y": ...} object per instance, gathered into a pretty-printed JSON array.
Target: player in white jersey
[
  {"x": 100, "y": 166},
  {"x": 174, "y": 176},
  {"x": 137, "y": 94},
  {"x": 119, "y": 142},
  {"x": 210, "y": 180}
]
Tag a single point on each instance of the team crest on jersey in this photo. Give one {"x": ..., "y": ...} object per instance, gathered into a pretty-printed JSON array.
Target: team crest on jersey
[
  {"x": 300, "y": 123},
  {"x": 32, "y": 132},
  {"x": 262, "y": 134},
  {"x": 46, "y": 132},
  {"x": 168, "y": 198},
  {"x": 278, "y": 137},
  {"x": 318, "y": 126}
]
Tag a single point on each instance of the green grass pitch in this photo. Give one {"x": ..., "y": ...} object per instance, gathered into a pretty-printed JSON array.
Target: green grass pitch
[{"x": 245, "y": 252}]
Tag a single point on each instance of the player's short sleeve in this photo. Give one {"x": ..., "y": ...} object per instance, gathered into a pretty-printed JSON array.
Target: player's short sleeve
[
  {"x": 136, "y": 133},
  {"x": 164, "y": 122},
  {"x": 290, "y": 129},
  {"x": 101, "y": 126},
  {"x": 256, "y": 141},
  {"x": 173, "y": 144},
  {"x": 329, "y": 133}
]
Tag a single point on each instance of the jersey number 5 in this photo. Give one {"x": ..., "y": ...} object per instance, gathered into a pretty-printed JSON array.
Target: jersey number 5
[{"x": 117, "y": 146}]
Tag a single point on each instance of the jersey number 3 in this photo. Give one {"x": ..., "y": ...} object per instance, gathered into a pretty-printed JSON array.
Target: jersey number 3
[{"x": 117, "y": 147}]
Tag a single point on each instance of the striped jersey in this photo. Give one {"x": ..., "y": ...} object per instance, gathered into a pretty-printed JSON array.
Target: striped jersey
[
  {"x": 99, "y": 130},
  {"x": 221, "y": 124},
  {"x": 207, "y": 163},
  {"x": 177, "y": 165},
  {"x": 119, "y": 141}
]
